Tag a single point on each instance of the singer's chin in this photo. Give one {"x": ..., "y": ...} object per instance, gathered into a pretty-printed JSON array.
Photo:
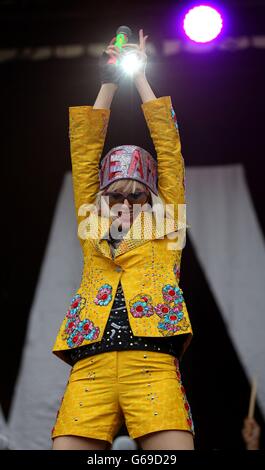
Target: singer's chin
[
  {"x": 124, "y": 218},
  {"x": 124, "y": 224}
]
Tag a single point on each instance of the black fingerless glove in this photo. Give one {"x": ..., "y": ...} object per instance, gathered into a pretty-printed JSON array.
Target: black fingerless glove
[{"x": 109, "y": 73}]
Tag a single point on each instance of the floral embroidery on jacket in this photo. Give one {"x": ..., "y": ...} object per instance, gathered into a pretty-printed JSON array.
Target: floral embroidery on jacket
[
  {"x": 172, "y": 316},
  {"x": 170, "y": 323},
  {"x": 77, "y": 330},
  {"x": 77, "y": 303},
  {"x": 71, "y": 325},
  {"x": 163, "y": 310},
  {"x": 172, "y": 294},
  {"x": 186, "y": 403},
  {"x": 170, "y": 312},
  {"x": 104, "y": 295},
  {"x": 141, "y": 306}
]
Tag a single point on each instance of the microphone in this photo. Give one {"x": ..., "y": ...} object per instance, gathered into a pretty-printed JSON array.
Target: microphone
[{"x": 123, "y": 34}]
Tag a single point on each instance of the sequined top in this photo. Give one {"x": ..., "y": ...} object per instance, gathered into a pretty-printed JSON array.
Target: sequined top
[{"x": 118, "y": 336}]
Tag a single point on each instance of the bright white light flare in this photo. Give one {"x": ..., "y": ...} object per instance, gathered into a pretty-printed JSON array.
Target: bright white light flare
[
  {"x": 202, "y": 24},
  {"x": 130, "y": 63}
]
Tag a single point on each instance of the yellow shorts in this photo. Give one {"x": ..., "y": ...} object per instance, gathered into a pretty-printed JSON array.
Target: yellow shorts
[{"x": 141, "y": 388}]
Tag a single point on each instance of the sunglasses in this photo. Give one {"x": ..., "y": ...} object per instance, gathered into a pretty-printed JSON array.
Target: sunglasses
[{"x": 132, "y": 198}]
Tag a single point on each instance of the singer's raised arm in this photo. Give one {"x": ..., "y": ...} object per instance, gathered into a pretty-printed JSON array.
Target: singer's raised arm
[
  {"x": 88, "y": 127},
  {"x": 105, "y": 96}
]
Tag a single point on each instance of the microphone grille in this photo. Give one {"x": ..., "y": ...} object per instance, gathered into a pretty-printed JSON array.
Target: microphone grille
[{"x": 125, "y": 30}]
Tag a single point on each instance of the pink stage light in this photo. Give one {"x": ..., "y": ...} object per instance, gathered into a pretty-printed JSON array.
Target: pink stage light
[{"x": 202, "y": 23}]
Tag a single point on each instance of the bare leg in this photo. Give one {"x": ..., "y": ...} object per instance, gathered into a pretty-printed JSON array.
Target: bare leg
[
  {"x": 78, "y": 443},
  {"x": 167, "y": 440}
]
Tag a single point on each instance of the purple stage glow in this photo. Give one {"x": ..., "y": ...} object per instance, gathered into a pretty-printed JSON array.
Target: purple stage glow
[{"x": 202, "y": 23}]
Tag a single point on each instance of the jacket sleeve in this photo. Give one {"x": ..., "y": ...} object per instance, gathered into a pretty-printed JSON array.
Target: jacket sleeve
[
  {"x": 87, "y": 132},
  {"x": 161, "y": 121}
]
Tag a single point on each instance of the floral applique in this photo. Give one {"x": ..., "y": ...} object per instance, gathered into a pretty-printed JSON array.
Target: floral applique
[
  {"x": 77, "y": 330},
  {"x": 141, "y": 306},
  {"x": 186, "y": 403},
  {"x": 172, "y": 294},
  {"x": 172, "y": 320},
  {"x": 77, "y": 303},
  {"x": 104, "y": 295},
  {"x": 170, "y": 323},
  {"x": 170, "y": 312},
  {"x": 163, "y": 310},
  {"x": 71, "y": 325}
]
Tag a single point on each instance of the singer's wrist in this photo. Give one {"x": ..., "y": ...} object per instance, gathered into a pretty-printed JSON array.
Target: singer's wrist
[
  {"x": 253, "y": 445},
  {"x": 145, "y": 91},
  {"x": 140, "y": 79},
  {"x": 111, "y": 87}
]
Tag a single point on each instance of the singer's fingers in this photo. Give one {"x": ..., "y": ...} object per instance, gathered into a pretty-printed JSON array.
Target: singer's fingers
[
  {"x": 142, "y": 40},
  {"x": 112, "y": 53},
  {"x": 145, "y": 39},
  {"x": 135, "y": 46},
  {"x": 114, "y": 48}
]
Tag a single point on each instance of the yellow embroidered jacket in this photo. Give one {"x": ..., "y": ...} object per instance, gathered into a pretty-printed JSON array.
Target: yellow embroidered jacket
[{"x": 146, "y": 261}]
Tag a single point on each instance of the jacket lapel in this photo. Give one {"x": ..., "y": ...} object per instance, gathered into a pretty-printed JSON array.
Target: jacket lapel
[
  {"x": 98, "y": 233},
  {"x": 145, "y": 228}
]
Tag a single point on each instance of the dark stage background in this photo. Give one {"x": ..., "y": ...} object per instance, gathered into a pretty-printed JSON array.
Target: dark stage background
[{"x": 219, "y": 101}]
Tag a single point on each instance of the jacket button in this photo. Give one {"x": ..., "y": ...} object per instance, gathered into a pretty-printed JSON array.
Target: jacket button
[{"x": 118, "y": 269}]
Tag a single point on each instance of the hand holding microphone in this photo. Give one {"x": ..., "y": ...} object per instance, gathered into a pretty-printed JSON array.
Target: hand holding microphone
[
  {"x": 110, "y": 72},
  {"x": 136, "y": 59},
  {"x": 123, "y": 58},
  {"x": 123, "y": 34}
]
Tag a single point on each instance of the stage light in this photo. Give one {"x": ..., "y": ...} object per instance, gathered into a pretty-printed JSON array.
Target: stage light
[
  {"x": 130, "y": 63},
  {"x": 202, "y": 23}
]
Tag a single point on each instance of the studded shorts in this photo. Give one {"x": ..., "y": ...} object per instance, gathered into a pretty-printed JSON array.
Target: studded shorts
[{"x": 141, "y": 388}]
